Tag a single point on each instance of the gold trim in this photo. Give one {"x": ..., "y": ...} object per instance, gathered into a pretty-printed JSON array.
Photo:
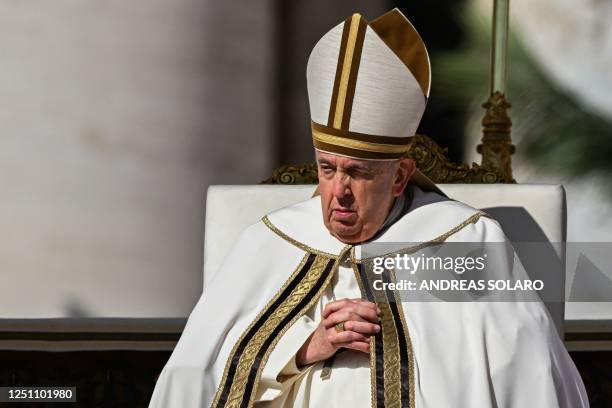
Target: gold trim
[
  {"x": 334, "y": 98},
  {"x": 302, "y": 288},
  {"x": 496, "y": 147},
  {"x": 362, "y": 289},
  {"x": 411, "y": 369},
  {"x": 402, "y": 38},
  {"x": 239, "y": 382},
  {"x": 430, "y": 159},
  {"x": 250, "y": 326},
  {"x": 346, "y": 69},
  {"x": 391, "y": 357},
  {"x": 354, "y": 153},
  {"x": 391, "y": 350},
  {"x": 390, "y": 344},
  {"x": 292, "y": 241},
  {"x": 373, "y": 390},
  {"x": 439, "y": 239},
  {"x": 364, "y": 137},
  {"x": 354, "y": 263},
  {"x": 358, "y": 144},
  {"x": 352, "y": 82}
]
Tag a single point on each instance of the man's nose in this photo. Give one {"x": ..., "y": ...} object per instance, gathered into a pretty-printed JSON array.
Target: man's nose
[{"x": 342, "y": 185}]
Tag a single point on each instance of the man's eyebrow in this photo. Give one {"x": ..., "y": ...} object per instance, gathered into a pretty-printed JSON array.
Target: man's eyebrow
[
  {"x": 358, "y": 166},
  {"x": 324, "y": 161},
  {"x": 349, "y": 167}
]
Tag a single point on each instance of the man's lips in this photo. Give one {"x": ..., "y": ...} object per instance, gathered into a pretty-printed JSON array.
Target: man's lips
[{"x": 342, "y": 213}]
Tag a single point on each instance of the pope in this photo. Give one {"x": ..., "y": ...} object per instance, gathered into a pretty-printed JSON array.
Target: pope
[{"x": 290, "y": 319}]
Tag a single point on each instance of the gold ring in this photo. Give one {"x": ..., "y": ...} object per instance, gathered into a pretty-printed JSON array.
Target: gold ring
[{"x": 339, "y": 327}]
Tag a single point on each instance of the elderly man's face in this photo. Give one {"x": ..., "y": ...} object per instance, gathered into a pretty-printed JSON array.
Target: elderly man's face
[{"x": 356, "y": 195}]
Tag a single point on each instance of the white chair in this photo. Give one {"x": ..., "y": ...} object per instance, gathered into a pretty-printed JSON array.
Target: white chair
[{"x": 526, "y": 212}]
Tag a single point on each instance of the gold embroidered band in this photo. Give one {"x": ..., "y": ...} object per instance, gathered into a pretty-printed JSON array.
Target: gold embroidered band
[
  {"x": 351, "y": 45},
  {"x": 359, "y": 145},
  {"x": 391, "y": 354},
  {"x": 243, "y": 369}
]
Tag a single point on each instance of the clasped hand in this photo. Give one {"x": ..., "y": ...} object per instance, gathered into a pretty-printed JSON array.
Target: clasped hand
[{"x": 361, "y": 320}]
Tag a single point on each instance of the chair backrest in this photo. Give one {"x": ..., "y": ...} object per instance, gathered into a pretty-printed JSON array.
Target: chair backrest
[{"x": 526, "y": 212}]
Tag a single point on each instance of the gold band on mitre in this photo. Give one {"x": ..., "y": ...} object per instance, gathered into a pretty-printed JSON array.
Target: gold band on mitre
[
  {"x": 359, "y": 145},
  {"x": 369, "y": 147}
]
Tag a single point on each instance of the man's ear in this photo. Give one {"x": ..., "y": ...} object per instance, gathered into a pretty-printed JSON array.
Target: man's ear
[{"x": 405, "y": 170}]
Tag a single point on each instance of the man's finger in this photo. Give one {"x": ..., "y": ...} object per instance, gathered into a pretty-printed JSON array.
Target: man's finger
[
  {"x": 341, "y": 317},
  {"x": 366, "y": 303},
  {"x": 362, "y": 327},
  {"x": 357, "y": 313},
  {"x": 336, "y": 305},
  {"x": 337, "y": 339},
  {"x": 363, "y": 346}
]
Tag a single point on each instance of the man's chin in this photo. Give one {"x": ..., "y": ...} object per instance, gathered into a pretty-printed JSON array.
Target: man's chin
[{"x": 346, "y": 233}]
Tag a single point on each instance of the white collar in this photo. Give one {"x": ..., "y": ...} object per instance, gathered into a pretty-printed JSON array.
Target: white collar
[{"x": 430, "y": 215}]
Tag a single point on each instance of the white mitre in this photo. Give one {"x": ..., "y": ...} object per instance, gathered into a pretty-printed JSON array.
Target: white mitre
[{"x": 368, "y": 85}]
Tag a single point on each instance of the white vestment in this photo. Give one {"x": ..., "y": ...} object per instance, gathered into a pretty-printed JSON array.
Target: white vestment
[{"x": 239, "y": 345}]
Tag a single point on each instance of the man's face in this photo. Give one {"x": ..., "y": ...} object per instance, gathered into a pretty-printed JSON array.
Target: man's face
[{"x": 356, "y": 195}]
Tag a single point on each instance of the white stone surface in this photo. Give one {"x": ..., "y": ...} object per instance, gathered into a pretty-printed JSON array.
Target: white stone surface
[{"x": 114, "y": 118}]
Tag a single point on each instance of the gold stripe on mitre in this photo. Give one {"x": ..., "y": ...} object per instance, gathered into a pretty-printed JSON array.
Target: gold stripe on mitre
[
  {"x": 359, "y": 145},
  {"x": 403, "y": 39},
  {"x": 349, "y": 58}
]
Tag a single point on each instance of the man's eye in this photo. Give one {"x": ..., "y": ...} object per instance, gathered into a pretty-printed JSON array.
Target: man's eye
[{"x": 358, "y": 174}]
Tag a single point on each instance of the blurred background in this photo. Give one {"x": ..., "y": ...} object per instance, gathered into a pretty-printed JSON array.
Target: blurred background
[{"x": 116, "y": 116}]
